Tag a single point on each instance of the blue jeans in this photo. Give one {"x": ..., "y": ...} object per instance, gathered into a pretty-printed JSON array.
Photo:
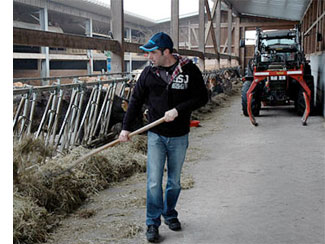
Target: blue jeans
[{"x": 161, "y": 148}]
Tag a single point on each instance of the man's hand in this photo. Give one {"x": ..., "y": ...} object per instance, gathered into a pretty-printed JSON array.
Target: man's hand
[
  {"x": 124, "y": 136},
  {"x": 170, "y": 115}
]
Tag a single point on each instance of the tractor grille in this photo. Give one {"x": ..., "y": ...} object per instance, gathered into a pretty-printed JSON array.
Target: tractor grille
[{"x": 278, "y": 85}]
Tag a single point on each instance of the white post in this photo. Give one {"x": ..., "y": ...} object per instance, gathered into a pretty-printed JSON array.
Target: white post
[
  {"x": 45, "y": 64},
  {"x": 89, "y": 32}
]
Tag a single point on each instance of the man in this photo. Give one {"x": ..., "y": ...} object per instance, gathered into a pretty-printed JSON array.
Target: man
[{"x": 172, "y": 87}]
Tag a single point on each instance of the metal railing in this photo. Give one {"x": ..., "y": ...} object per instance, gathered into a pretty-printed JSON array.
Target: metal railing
[
  {"x": 25, "y": 80},
  {"x": 66, "y": 115}
]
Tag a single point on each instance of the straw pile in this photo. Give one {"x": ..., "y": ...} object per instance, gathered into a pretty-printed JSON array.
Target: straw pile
[
  {"x": 29, "y": 153},
  {"x": 31, "y": 222},
  {"x": 217, "y": 100},
  {"x": 41, "y": 198}
]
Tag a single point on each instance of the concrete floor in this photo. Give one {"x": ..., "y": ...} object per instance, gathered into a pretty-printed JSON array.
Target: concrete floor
[
  {"x": 253, "y": 185},
  {"x": 256, "y": 185}
]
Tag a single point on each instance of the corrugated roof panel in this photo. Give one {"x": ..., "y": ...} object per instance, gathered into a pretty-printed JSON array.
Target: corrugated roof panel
[{"x": 279, "y": 9}]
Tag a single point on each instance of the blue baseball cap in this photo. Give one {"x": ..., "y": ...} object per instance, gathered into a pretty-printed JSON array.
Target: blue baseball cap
[{"x": 158, "y": 40}]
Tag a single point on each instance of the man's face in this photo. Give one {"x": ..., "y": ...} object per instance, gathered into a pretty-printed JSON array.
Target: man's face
[{"x": 156, "y": 57}]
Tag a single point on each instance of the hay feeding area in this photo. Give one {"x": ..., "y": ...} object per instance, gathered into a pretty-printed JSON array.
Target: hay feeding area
[
  {"x": 31, "y": 222},
  {"x": 217, "y": 100},
  {"x": 42, "y": 195}
]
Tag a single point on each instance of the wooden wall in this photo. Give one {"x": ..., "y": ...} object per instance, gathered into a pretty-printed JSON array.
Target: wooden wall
[{"x": 313, "y": 25}]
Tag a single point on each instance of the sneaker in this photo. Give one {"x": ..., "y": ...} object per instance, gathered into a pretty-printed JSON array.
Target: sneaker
[
  {"x": 152, "y": 233},
  {"x": 173, "y": 224}
]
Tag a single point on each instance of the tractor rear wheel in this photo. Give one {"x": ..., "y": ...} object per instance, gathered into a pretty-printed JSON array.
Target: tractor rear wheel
[{"x": 255, "y": 104}]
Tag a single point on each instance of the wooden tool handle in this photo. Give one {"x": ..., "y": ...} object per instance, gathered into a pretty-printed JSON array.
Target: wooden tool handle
[{"x": 113, "y": 143}]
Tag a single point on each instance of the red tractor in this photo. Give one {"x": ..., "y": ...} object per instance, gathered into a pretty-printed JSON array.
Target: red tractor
[{"x": 278, "y": 74}]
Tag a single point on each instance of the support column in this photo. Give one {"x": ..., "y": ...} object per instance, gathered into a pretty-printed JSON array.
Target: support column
[
  {"x": 118, "y": 35},
  {"x": 210, "y": 28},
  {"x": 129, "y": 38},
  {"x": 201, "y": 33},
  {"x": 189, "y": 35},
  {"x": 130, "y": 57},
  {"x": 129, "y": 34},
  {"x": 242, "y": 50},
  {"x": 45, "y": 64},
  {"x": 89, "y": 32},
  {"x": 237, "y": 37},
  {"x": 174, "y": 23},
  {"x": 218, "y": 31},
  {"x": 229, "y": 34},
  {"x": 318, "y": 24}
]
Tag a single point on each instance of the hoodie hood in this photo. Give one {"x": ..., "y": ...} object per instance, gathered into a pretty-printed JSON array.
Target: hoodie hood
[{"x": 182, "y": 61}]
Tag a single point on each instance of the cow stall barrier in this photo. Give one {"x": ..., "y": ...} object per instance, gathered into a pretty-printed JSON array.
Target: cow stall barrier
[{"x": 66, "y": 117}]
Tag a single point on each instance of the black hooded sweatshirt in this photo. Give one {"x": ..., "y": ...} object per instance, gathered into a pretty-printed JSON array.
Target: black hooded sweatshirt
[{"x": 185, "y": 91}]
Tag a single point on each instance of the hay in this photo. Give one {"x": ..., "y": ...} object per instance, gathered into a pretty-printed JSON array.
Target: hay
[
  {"x": 216, "y": 100},
  {"x": 124, "y": 230},
  {"x": 31, "y": 223},
  {"x": 112, "y": 165},
  {"x": 64, "y": 193},
  {"x": 86, "y": 213},
  {"x": 61, "y": 194},
  {"x": 125, "y": 202},
  {"x": 187, "y": 182},
  {"x": 29, "y": 146},
  {"x": 29, "y": 153},
  {"x": 137, "y": 144}
]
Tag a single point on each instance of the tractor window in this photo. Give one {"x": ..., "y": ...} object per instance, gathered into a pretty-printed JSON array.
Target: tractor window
[{"x": 272, "y": 42}]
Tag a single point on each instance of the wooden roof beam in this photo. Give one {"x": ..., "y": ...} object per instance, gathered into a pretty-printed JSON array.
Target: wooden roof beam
[{"x": 27, "y": 37}]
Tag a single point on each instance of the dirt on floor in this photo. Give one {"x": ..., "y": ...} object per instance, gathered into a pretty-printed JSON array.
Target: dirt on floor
[{"x": 117, "y": 214}]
